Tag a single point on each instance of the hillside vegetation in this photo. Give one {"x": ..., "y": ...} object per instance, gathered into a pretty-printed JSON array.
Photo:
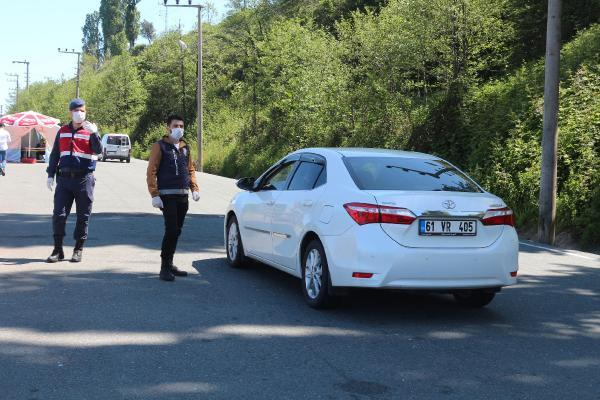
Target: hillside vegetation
[{"x": 462, "y": 79}]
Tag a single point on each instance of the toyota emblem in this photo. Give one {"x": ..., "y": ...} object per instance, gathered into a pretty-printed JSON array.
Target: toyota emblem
[{"x": 449, "y": 204}]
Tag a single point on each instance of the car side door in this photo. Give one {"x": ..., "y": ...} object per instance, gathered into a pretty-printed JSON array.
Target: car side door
[
  {"x": 295, "y": 208},
  {"x": 256, "y": 212}
]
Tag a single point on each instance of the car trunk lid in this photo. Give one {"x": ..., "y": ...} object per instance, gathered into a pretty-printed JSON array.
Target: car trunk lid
[{"x": 441, "y": 207}]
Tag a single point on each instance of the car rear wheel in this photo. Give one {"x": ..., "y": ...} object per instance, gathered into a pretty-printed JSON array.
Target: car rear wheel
[
  {"x": 128, "y": 160},
  {"x": 474, "y": 298},
  {"x": 233, "y": 245},
  {"x": 315, "y": 276}
]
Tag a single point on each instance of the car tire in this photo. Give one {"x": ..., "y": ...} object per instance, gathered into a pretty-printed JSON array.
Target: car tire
[
  {"x": 474, "y": 298},
  {"x": 103, "y": 157},
  {"x": 316, "y": 284},
  {"x": 128, "y": 160},
  {"x": 233, "y": 245}
]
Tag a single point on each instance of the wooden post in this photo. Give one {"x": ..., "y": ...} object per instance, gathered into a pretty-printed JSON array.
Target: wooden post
[{"x": 547, "y": 201}]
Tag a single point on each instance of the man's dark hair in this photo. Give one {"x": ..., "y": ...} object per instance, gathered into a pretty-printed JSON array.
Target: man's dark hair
[{"x": 174, "y": 117}]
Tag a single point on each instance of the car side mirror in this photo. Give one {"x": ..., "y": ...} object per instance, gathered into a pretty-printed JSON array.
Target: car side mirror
[{"x": 246, "y": 184}]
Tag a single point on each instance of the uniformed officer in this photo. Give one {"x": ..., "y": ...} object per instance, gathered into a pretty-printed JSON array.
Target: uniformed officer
[
  {"x": 170, "y": 177},
  {"x": 73, "y": 161}
]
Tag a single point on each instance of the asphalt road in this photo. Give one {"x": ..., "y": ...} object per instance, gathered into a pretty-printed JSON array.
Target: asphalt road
[{"x": 109, "y": 329}]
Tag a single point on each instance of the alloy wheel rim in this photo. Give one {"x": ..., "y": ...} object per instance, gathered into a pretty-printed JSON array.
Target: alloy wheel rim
[
  {"x": 313, "y": 274},
  {"x": 232, "y": 241}
]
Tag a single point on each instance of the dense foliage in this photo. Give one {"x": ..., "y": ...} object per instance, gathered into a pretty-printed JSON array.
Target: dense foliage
[{"x": 459, "y": 78}]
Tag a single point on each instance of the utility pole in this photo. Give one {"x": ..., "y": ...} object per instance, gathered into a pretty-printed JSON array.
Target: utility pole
[
  {"x": 183, "y": 47},
  {"x": 547, "y": 206},
  {"x": 17, "y": 91},
  {"x": 199, "y": 78},
  {"x": 27, "y": 72},
  {"x": 78, "y": 66}
]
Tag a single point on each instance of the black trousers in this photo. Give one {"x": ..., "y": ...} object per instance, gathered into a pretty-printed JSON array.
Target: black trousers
[
  {"x": 80, "y": 190},
  {"x": 175, "y": 207}
]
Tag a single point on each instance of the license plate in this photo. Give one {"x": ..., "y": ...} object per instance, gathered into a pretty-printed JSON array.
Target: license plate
[{"x": 436, "y": 227}]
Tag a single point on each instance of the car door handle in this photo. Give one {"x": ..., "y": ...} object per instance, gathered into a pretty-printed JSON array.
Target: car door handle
[{"x": 307, "y": 203}]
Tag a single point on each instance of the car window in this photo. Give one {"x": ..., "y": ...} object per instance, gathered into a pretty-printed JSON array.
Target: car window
[
  {"x": 306, "y": 176},
  {"x": 279, "y": 178},
  {"x": 113, "y": 140},
  {"x": 322, "y": 178},
  {"x": 402, "y": 173}
]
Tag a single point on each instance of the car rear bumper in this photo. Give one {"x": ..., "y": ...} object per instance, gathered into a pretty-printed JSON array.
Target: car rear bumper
[
  {"x": 117, "y": 154},
  {"x": 368, "y": 249}
]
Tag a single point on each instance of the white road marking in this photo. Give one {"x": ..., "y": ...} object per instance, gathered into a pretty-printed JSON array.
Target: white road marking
[{"x": 558, "y": 251}]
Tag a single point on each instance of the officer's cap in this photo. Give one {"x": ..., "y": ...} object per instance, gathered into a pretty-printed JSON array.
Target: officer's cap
[{"x": 76, "y": 103}]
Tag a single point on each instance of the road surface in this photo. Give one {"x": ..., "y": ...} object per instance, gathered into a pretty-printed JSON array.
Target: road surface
[{"x": 109, "y": 329}]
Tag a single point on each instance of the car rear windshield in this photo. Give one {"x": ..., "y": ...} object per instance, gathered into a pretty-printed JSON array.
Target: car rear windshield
[
  {"x": 401, "y": 173},
  {"x": 118, "y": 140}
]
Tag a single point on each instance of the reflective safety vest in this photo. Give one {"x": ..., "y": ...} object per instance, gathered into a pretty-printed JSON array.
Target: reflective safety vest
[
  {"x": 75, "y": 144},
  {"x": 75, "y": 149}
]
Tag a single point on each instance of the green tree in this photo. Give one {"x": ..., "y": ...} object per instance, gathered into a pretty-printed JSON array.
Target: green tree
[
  {"x": 120, "y": 96},
  {"x": 112, "y": 21},
  {"x": 148, "y": 32},
  {"x": 132, "y": 22},
  {"x": 92, "y": 37}
]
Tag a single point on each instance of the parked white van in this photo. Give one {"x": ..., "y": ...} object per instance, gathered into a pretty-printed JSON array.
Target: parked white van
[{"x": 116, "y": 146}]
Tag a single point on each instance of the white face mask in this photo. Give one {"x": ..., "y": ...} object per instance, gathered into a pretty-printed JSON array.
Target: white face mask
[
  {"x": 176, "y": 134},
  {"x": 78, "y": 116}
]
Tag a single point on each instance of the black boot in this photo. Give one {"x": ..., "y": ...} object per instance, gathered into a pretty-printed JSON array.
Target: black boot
[
  {"x": 165, "y": 271},
  {"x": 77, "y": 251},
  {"x": 176, "y": 271},
  {"x": 57, "y": 254}
]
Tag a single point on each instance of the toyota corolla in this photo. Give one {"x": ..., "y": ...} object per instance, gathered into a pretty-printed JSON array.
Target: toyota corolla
[{"x": 368, "y": 218}]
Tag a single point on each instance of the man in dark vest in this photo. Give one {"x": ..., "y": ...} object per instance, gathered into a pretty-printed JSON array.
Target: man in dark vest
[
  {"x": 73, "y": 161},
  {"x": 171, "y": 177}
]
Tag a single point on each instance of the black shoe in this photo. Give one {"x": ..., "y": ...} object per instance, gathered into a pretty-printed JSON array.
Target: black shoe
[
  {"x": 177, "y": 272},
  {"x": 56, "y": 256},
  {"x": 77, "y": 256},
  {"x": 166, "y": 275},
  {"x": 2, "y": 171}
]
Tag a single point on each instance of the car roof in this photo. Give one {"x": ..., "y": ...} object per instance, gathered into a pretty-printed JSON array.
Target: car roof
[
  {"x": 116, "y": 134},
  {"x": 365, "y": 152}
]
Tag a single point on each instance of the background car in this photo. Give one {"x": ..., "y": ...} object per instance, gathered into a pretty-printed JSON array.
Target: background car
[
  {"x": 116, "y": 146},
  {"x": 372, "y": 218}
]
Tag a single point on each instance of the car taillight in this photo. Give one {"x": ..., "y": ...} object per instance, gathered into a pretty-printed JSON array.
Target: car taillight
[
  {"x": 364, "y": 214},
  {"x": 499, "y": 216}
]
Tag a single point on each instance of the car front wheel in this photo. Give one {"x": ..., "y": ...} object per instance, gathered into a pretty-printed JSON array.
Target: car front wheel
[
  {"x": 233, "y": 245},
  {"x": 474, "y": 298},
  {"x": 315, "y": 276}
]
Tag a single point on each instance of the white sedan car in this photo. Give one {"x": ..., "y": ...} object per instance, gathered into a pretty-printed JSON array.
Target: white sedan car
[{"x": 339, "y": 218}]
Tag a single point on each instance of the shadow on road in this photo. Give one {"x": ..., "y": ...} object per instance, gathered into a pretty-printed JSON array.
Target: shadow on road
[
  {"x": 227, "y": 333},
  {"x": 188, "y": 338},
  {"x": 200, "y": 233}
]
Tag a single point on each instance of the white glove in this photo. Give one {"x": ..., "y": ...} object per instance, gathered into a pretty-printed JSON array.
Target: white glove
[
  {"x": 50, "y": 183},
  {"x": 90, "y": 127},
  {"x": 157, "y": 202},
  {"x": 196, "y": 196}
]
